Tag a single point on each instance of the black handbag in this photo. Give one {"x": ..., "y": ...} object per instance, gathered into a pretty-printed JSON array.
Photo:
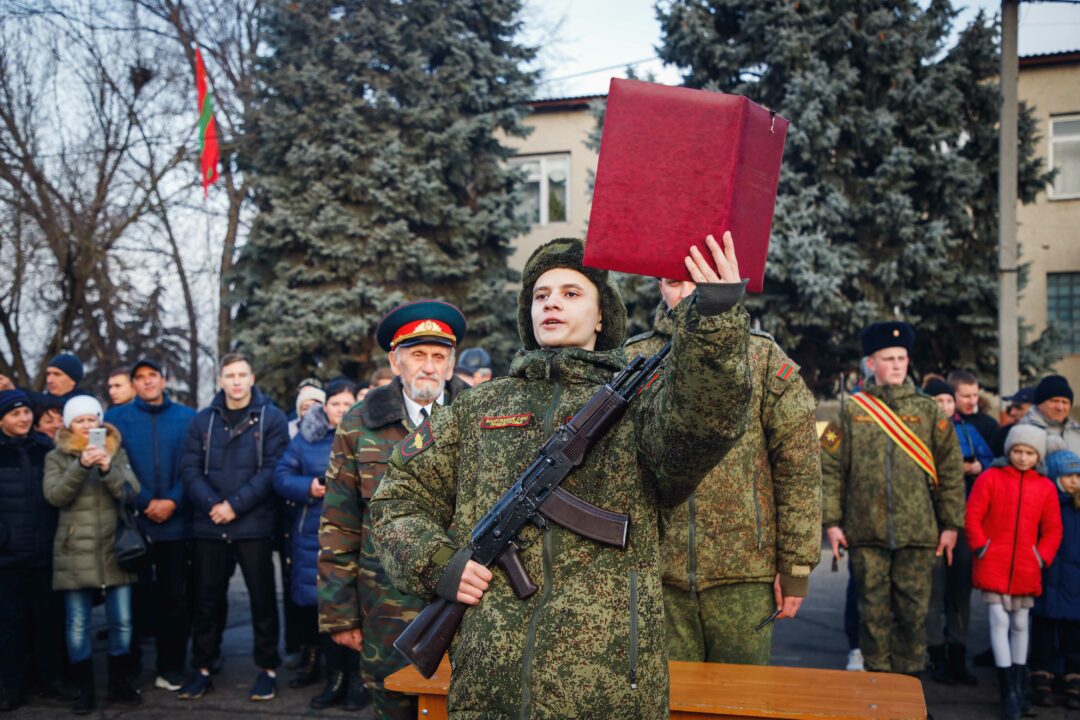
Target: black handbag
[{"x": 132, "y": 545}]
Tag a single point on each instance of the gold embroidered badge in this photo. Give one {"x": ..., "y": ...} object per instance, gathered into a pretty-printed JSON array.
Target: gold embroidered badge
[{"x": 498, "y": 422}]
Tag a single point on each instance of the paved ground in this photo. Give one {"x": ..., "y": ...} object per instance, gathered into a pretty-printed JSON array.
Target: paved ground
[{"x": 814, "y": 639}]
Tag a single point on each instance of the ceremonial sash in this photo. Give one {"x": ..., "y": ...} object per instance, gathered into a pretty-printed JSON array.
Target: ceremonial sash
[{"x": 898, "y": 432}]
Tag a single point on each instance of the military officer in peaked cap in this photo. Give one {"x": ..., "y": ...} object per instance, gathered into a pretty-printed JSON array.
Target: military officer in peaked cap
[
  {"x": 893, "y": 494},
  {"x": 358, "y": 605}
]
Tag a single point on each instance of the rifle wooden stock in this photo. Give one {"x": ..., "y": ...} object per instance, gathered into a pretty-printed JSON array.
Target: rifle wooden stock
[
  {"x": 571, "y": 512},
  {"x": 428, "y": 636}
]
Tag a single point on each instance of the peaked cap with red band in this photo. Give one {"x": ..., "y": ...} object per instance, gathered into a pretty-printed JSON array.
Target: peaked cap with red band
[{"x": 421, "y": 321}]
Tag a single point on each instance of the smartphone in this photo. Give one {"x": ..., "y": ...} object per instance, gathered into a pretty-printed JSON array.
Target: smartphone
[
  {"x": 97, "y": 438},
  {"x": 322, "y": 480}
]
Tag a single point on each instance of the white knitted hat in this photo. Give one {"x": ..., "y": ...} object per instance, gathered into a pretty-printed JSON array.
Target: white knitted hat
[{"x": 81, "y": 405}]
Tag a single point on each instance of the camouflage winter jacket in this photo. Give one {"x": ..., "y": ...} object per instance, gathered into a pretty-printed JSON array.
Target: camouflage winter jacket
[
  {"x": 758, "y": 513},
  {"x": 590, "y": 642},
  {"x": 874, "y": 491},
  {"x": 353, "y": 587}
]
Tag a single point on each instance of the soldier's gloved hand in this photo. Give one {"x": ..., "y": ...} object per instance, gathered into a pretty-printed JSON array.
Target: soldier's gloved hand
[
  {"x": 474, "y": 583},
  {"x": 946, "y": 544},
  {"x": 836, "y": 539},
  {"x": 352, "y": 639}
]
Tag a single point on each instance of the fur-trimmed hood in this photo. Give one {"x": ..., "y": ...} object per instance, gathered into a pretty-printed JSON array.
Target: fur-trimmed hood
[
  {"x": 73, "y": 444},
  {"x": 314, "y": 426}
]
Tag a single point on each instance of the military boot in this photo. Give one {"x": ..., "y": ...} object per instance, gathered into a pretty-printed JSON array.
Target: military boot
[
  {"x": 307, "y": 673},
  {"x": 333, "y": 693},
  {"x": 358, "y": 697},
  {"x": 1023, "y": 688},
  {"x": 939, "y": 665},
  {"x": 1010, "y": 698},
  {"x": 958, "y": 665}
]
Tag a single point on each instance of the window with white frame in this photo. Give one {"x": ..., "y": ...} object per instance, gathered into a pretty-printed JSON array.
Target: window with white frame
[
  {"x": 547, "y": 187},
  {"x": 1065, "y": 156}
]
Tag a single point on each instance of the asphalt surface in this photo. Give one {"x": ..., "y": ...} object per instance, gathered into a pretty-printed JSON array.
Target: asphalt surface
[{"x": 814, "y": 639}]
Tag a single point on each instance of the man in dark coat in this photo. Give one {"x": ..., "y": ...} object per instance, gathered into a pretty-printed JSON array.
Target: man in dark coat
[
  {"x": 227, "y": 466},
  {"x": 153, "y": 429},
  {"x": 31, "y": 614},
  {"x": 358, "y": 604}
]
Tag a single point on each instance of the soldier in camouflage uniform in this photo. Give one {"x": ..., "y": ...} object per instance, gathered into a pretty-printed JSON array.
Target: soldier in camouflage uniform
[
  {"x": 590, "y": 642},
  {"x": 880, "y": 503},
  {"x": 358, "y": 604},
  {"x": 745, "y": 542}
]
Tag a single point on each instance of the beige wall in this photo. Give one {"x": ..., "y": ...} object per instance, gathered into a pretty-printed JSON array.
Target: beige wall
[
  {"x": 558, "y": 131},
  {"x": 1049, "y": 230}
]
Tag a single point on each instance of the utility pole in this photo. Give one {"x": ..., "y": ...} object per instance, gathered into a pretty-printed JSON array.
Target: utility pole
[{"x": 1008, "y": 323}]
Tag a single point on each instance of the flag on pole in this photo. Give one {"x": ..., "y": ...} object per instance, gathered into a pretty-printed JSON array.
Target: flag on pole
[{"x": 208, "y": 143}]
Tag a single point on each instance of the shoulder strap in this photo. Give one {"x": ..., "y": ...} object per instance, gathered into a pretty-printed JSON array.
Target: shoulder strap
[{"x": 891, "y": 424}]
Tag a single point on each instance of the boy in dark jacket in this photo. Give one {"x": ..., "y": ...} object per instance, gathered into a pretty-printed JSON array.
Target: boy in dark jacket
[
  {"x": 227, "y": 466},
  {"x": 28, "y": 605},
  {"x": 1055, "y": 630},
  {"x": 153, "y": 428}
]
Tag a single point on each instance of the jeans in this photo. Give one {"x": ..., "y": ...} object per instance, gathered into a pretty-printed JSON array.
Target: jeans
[
  {"x": 117, "y": 613},
  {"x": 31, "y": 627},
  {"x": 213, "y": 565}
]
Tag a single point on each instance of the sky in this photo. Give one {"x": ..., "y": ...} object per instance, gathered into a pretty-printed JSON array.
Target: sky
[{"x": 580, "y": 37}]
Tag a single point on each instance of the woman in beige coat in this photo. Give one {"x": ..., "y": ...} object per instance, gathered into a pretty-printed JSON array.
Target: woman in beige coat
[{"x": 87, "y": 484}]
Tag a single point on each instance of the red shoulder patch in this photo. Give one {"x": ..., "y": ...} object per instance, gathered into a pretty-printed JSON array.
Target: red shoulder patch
[
  {"x": 943, "y": 424},
  {"x": 648, "y": 385},
  {"x": 417, "y": 441},
  {"x": 786, "y": 371},
  {"x": 498, "y": 422}
]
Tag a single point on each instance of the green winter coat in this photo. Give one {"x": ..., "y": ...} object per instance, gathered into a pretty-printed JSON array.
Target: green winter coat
[
  {"x": 758, "y": 513},
  {"x": 590, "y": 642},
  {"x": 83, "y": 554},
  {"x": 874, "y": 491}
]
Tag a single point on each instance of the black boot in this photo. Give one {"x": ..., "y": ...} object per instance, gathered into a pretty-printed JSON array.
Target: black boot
[
  {"x": 958, "y": 665},
  {"x": 10, "y": 698},
  {"x": 358, "y": 696},
  {"x": 60, "y": 690},
  {"x": 1042, "y": 689},
  {"x": 307, "y": 673},
  {"x": 1010, "y": 699},
  {"x": 1072, "y": 692},
  {"x": 122, "y": 686},
  {"x": 1023, "y": 688},
  {"x": 333, "y": 693},
  {"x": 939, "y": 665},
  {"x": 83, "y": 672}
]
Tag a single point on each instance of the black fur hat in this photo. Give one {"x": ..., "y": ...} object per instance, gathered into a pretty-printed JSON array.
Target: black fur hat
[{"x": 886, "y": 335}]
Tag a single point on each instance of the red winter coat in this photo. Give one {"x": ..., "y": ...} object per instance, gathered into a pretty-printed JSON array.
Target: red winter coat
[{"x": 1019, "y": 515}]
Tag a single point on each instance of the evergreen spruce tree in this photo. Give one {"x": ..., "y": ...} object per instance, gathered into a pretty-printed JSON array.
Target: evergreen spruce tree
[
  {"x": 378, "y": 177},
  {"x": 887, "y": 202}
]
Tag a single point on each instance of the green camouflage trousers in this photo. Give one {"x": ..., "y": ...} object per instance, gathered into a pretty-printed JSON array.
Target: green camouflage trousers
[
  {"x": 893, "y": 588},
  {"x": 717, "y": 625}
]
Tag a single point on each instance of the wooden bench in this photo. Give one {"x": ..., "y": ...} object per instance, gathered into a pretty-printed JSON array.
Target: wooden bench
[{"x": 701, "y": 690}]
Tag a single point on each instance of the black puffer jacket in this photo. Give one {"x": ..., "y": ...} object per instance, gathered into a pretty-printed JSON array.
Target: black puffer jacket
[
  {"x": 27, "y": 522},
  {"x": 234, "y": 464}
]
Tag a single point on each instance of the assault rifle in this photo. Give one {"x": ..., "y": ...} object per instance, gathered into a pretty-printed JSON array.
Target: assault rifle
[{"x": 536, "y": 498}]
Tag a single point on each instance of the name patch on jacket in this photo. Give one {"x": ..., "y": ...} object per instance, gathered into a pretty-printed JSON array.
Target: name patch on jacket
[
  {"x": 417, "y": 441},
  {"x": 498, "y": 422}
]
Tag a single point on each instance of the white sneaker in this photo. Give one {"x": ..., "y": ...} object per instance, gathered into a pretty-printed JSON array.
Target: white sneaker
[
  {"x": 855, "y": 661},
  {"x": 164, "y": 683}
]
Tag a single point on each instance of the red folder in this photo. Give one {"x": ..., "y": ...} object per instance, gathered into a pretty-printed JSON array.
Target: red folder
[{"x": 676, "y": 165}]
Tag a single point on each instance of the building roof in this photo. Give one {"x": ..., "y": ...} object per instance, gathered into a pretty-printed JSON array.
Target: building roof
[
  {"x": 1066, "y": 57},
  {"x": 580, "y": 102}
]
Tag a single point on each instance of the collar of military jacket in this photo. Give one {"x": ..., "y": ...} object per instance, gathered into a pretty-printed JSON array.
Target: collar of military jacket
[
  {"x": 662, "y": 322},
  {"x": 570, "y": 365},
  {"x": 385, "y": 405},
  {"x": 889, "y": 392}
]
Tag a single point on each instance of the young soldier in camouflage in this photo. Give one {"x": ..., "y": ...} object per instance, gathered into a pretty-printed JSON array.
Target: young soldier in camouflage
[
  {"x": 591, "y": 641},
  {"x": 745, "y": 542},
  {"x": 881, "y": 504},
  {"x": 358, "y": 604}
]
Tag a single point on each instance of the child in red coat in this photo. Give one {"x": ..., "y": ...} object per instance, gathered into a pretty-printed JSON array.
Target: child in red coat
[{"x": 1014, "y": 527}]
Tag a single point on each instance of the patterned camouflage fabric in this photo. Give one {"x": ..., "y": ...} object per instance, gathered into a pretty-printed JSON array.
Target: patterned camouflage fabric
[
  {"x": 590, "y": 642},
  {"x": 354, "y": 591},
  {"x": 756, "y": 514},
  {"x": 883, "y": 501},
  {"x": 717, "y": 625}
]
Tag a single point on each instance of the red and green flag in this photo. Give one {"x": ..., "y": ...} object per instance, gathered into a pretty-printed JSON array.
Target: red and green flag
[{"x": 208, "y": 142}]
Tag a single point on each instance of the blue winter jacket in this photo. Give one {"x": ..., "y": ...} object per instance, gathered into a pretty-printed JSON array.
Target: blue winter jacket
[
  {"x": 1060, "y": 599},
  {"x": 153, "y": 436},
  {"x": 305, "y": 459},
  {"x": 972, "y": 445},
  {"x": 27, "y": 522},
  {"x": 234, "y": 464}
]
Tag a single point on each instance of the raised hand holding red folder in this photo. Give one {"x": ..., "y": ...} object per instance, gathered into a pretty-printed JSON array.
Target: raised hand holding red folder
[{"x": 727, "y": 265}]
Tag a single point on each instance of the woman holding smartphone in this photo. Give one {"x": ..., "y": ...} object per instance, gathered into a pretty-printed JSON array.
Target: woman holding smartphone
[
  {"x": 86, "y": 477},
  {"x": 298, "y": 478}
]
